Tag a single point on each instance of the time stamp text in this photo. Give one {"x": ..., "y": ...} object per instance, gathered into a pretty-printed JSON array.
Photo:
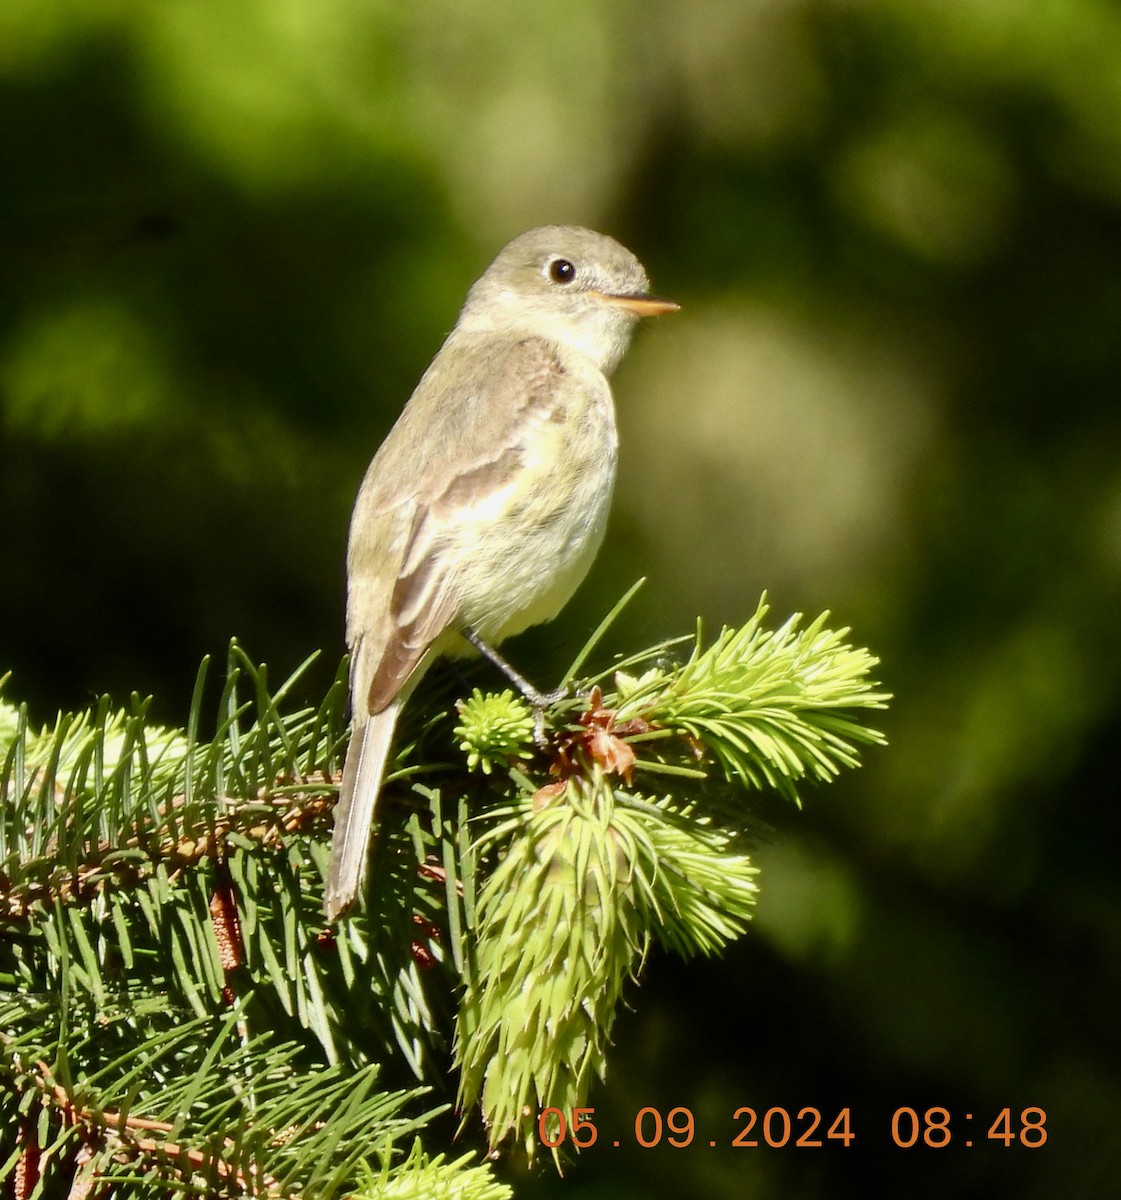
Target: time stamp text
[{"x": 804, "y": 1129}]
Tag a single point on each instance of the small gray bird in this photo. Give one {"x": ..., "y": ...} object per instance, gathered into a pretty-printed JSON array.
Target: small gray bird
[{"x": 484, "y": 507}]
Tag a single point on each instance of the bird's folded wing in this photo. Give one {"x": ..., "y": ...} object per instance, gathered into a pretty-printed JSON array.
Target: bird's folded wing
[{"x": 484, "y": 408}]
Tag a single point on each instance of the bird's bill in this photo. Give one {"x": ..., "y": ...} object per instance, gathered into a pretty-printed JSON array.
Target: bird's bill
[{"x": 641, "y": 305}]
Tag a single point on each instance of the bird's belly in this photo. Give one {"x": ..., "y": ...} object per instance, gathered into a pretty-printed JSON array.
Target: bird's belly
[{"x": 530, "y": 556}]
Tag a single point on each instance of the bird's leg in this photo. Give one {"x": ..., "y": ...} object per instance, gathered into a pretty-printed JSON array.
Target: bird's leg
[{"x": 539, "y": 700}]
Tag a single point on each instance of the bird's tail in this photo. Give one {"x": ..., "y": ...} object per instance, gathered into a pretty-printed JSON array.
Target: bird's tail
[{"x": 355, "y": 809}]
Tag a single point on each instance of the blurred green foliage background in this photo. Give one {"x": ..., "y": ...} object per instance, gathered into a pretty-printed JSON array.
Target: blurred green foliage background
[{"x": 232, "y": 235}]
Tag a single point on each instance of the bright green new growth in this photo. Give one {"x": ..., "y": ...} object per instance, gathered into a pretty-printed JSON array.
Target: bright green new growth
[
  {"x": 592, "y": 872},
  {"x": 422, "y": 1178},
  {"x": 597, "y": 866},
  {"x": 494, "y": 730},
  {"x": 558, "y": 937},
  {"x": 172, "y": 1011},
  {"x": 772, "y": 707}
]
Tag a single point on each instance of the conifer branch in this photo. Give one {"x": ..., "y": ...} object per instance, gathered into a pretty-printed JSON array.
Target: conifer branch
[
  {"x": 173, "y": 1009},
  {"x": 595, "y": 866}
]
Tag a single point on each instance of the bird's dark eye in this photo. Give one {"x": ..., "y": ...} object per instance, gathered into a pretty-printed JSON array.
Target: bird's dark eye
[{"x": 561, "y": 271}]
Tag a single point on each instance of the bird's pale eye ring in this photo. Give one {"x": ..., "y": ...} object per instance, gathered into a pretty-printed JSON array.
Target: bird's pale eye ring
[{"x": 561, "y": 270}]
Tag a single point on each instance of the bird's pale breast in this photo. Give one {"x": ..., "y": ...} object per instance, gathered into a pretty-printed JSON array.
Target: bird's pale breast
[{"x": 533, "y": 542}]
